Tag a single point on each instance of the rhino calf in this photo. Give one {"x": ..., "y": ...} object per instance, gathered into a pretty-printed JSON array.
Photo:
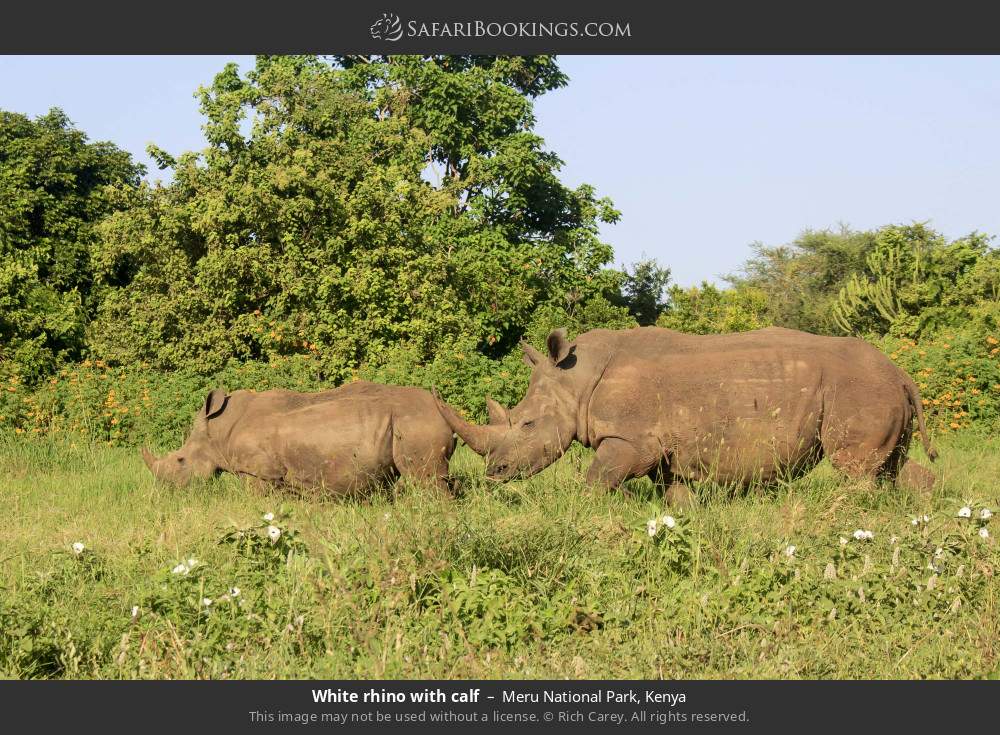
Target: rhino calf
[
  {"x": 343, "y": 440},
  {"x": 729, "y": 408}
]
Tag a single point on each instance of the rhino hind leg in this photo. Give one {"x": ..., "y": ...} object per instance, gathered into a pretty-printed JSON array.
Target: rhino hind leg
[
  {"x": 429, "y": 467},
  {"x": 916, "y": 477},
  {"x": 674, "y": 491}
]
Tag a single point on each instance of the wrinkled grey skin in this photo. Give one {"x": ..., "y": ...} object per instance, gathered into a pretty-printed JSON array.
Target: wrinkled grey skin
[
  {"x": 734, "y": 409},
  {"x": 342, "y": 441}
]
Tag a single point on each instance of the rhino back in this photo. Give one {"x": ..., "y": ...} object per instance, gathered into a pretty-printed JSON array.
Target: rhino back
[
  {"x": 755, "y": 397},
  {"x": 340, "y": 437}
]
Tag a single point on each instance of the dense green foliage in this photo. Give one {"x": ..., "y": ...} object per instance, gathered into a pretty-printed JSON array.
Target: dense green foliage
[
  {"x": 537, "y": 579},
  {"x": 54, "y": 187},
  {"x": 707, "y": 309},
  {"x": 401, "y": 204},
  {"x": 396, "y": 219}
]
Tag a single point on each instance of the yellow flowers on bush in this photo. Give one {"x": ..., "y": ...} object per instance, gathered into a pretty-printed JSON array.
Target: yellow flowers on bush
[{"x": 958, "y": 373}]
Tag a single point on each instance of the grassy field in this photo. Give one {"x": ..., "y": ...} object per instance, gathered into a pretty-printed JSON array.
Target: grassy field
[{"x": 540, "y": 578}]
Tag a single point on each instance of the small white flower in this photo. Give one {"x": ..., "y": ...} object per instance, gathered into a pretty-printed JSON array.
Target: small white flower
[
  {"x": 893, "y": 540},
  {"x": 181, "y": 568},
  {"x": 986, "y": 514},
  {"x": 790, "y": 551},
  {"x": 206, "y": 601},
  {"x": 668, "y": 521},
  {"x": 234, "y": 592},
  {"x": 983, "y": 533},
  {"x": 192, "y": 563},
  {"x": 651, "y": 526},
  {"x": 273, "y": 533},
  {"x": 843, "y": 541},
  {"x": 862, "y": 535},
  {"x": 268, "y": 517},
  {"x": 135, "y": 611},
  {"x": 965, "y": 512},
  {"x": 915, "y": 522},
  {"x": 926, "y": 518},
  {"x": 939, "y": 552},
  {"x": 78, "y": 548}
]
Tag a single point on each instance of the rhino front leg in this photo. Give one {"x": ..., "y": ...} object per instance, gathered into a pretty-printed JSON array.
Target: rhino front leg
[{"x": 616, "y": 461}]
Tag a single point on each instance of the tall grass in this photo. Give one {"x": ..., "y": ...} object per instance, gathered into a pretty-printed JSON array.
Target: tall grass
[{"x": 538, "y": 578}]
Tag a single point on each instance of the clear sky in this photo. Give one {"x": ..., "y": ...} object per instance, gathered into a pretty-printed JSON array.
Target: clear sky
[{"x": 703, "y": 155}]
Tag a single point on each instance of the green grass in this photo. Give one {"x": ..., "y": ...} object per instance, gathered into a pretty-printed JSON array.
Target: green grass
[{"x": 540, "y": 578}]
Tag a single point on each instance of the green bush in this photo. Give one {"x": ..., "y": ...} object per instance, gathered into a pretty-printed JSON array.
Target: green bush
[{"x": 958, "y": 374}]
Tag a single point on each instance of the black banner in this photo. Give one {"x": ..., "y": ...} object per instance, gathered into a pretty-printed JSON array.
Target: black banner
[
  {"x": 459, "y": 706},
  {"x": 511, "y": 27}
]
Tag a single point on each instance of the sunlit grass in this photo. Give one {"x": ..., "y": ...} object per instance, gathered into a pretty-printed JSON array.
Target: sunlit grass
[{"x": 538, "y": 578}]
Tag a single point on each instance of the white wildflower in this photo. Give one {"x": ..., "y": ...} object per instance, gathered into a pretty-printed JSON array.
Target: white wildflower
[
  {"x": 965, "y": 512},
  {"x": 926, "y": 518},
  {"x": 206, "y": 601},
  {"x": 651, "y": 526},
  {"x": 234, "y": 592},
  {"x": 939, "y": 552},
  {"x": 893, "y": 540},
  {"x": 135, "y": 611},
  {"x": 268, "y": 517},
  {"x": 273, "y": 533},
  {"x": 862, "y": 535},
  {"x": 986, "y": 514},
  {"x": 983, "y": 533},
  {"x": 843, "y": 541},
  {"x": 790, "y": 551},
  {"x": 181, "y": 568},
  {"x": 192, "y": 563},
  {"x": 78, "y": 547},
  {"x": 668, "y": 521},
  {"x": 915, "y": 522}
]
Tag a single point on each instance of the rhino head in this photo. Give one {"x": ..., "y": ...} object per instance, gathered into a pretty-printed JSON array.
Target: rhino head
[
  {"x": 536, "y": 432},
  {"x": 197, "y": 458}
]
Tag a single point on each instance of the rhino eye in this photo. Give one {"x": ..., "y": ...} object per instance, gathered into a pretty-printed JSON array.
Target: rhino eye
[
  {"x": 528, "y": 425},
  {"x": 180, "y": 460}
]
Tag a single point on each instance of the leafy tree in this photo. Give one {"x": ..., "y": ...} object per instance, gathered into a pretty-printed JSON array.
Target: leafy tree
[
  {"x": 802, "y": 280},
  {"x": 644, "y": 290},
  {"x": 346, "y": 210},
  {"x": 707, "y": 309},
  {"x": 54, "y": 185},
  {"x": 914, "y": 280}
]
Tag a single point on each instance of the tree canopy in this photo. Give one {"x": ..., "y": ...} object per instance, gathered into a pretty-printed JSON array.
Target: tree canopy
[
  {"x": 346, "y": 208},
  {"x": 54, "y": 187}
]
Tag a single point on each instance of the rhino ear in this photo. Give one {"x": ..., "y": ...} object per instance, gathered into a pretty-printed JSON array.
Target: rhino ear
[
  {"x": 532, "y": 356},
  {"x": 215, "y": 401},
  {"x": 558, "y": 345},
  {"x": 498, "y": 414}
]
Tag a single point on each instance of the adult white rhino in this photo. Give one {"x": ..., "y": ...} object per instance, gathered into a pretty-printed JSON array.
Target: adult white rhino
[{"x": 729, "y": 408}]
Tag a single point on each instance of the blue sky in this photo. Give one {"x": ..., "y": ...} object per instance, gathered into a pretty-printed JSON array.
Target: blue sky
[{"x": 703, "y": 155}]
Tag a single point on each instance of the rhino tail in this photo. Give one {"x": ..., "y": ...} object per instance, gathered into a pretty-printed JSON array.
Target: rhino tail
[{"x": 913, "y": 393}]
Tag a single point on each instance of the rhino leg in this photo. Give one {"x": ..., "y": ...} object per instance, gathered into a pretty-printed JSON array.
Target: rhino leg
[
  {"x": 916, "y": 477},
  {"x": 679, "y": 495},
  {"x": 674, "y": 492},
  {"x": 616, "y": 461},
  {"x": 429, "y": 467}
]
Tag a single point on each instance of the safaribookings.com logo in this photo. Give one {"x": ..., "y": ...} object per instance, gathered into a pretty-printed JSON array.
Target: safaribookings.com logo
[{"x": 390, "y": 28}]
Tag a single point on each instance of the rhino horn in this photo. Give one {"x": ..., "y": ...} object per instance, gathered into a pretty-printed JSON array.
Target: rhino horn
[
  {"x": 480, "y": 439},
  {"x": 150, "y": 459},
  {"x": 498, "y": 414}
]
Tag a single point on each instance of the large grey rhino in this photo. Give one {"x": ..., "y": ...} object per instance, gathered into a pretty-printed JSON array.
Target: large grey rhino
[
  {"x": 730, "y": 408},
  {"x": 342, "y": 440}
]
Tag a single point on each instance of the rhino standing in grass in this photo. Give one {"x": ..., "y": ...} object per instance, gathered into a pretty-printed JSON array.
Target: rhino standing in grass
[
  {"x": 733, "y": 409},
  {"x": 342, "y": 441}
]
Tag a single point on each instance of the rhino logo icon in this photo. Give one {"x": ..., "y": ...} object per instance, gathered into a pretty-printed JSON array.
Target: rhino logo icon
[{"x": 387, "y": 28}]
